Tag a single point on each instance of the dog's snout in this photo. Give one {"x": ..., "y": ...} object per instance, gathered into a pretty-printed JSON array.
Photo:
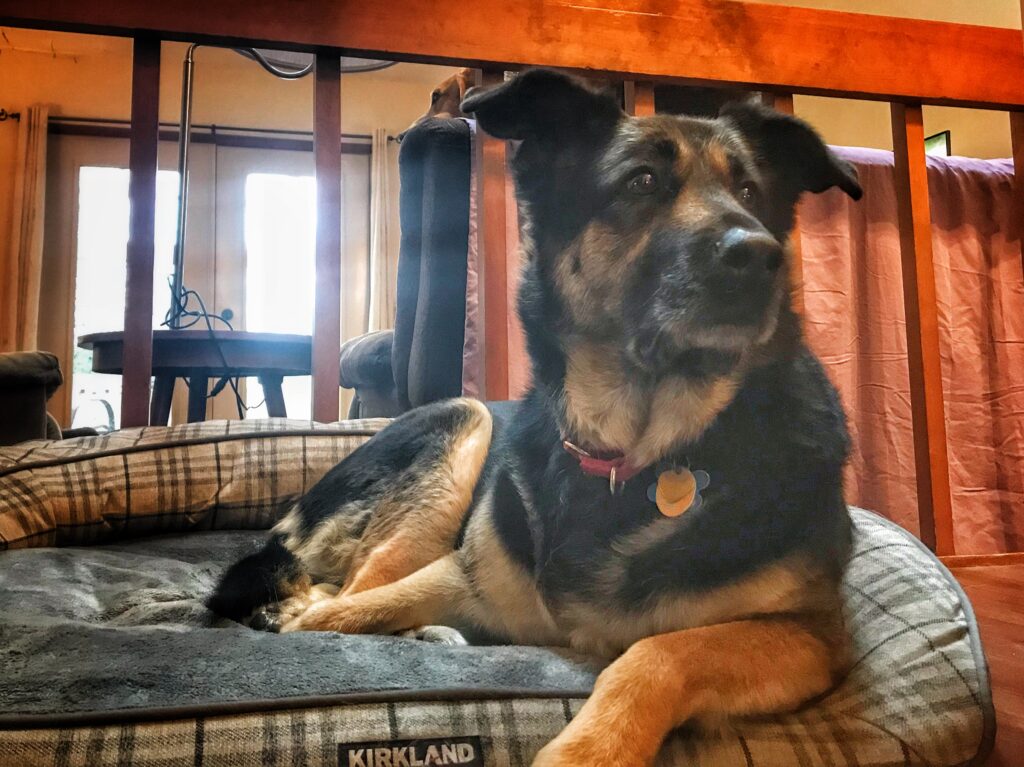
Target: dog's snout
[{"x": 748, "y": 253}]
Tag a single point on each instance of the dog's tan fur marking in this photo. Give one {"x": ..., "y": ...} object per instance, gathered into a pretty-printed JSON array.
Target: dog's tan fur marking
[
  {"x": 435, "y": 594},
  {"x": 592, "y": 270},
  {"x": 408, "y": 529},
  {"x": 601, "y": 403},
  {"x": 610, "y": 410},
  {"x": 717, "y": 160},
  {"x": 728, "y": 669},
  {"x": 511, "y": 605},
  {"x": 412, "y": 529},
  {"x": 679, "y": 412}
]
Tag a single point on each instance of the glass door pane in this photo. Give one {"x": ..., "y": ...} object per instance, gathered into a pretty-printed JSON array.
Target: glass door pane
[
  {"x": 101, "y": 247},
  {"x": 280, "y": 241}
]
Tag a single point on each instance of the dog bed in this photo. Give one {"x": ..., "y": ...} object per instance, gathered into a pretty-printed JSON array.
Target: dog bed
[{"x": 110, "y": 658}]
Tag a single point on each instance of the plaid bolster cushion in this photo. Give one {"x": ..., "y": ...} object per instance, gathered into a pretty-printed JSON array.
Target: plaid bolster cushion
[{"x": 211, "y": 475}]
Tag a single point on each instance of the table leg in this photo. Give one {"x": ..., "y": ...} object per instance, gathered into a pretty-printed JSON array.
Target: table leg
[
  {"x": 274, "y": 396},
  {"x": 197, "y": 388},
  {"x": 160, "y": 406}
]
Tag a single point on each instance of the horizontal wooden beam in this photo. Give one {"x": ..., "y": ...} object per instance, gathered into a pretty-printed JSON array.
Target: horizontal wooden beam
[
  {"x": 797, "y": 50},
  {"x": 983, "y": 560},
  {"x": 218, "y": 138}
]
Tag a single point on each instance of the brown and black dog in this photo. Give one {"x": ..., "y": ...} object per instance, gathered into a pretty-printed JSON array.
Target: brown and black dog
[
  {"x": 446, "y": 98},
  {"x": 669, "y": 492}
]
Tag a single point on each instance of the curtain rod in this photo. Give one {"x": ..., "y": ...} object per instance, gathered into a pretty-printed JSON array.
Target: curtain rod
[
  {"x": 209, "y": 127},
  {"x": 5, "y": 115}
]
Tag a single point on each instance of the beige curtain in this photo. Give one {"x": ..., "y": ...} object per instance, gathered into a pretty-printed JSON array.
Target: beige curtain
[
  {"x": 384, "y": 233},
  {"x": 19, "y": 287}
]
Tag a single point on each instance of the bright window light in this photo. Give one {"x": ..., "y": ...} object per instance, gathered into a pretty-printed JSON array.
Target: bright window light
[
  {"x": 102, "y": 241},
  {"x": 280, "y": 278}
]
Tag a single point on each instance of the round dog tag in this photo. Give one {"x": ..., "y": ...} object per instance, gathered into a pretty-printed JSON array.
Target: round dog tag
[{"x": 675, "y": 492}]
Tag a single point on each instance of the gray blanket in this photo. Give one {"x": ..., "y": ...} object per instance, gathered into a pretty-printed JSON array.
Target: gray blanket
[{"x": 123, "y": 628}]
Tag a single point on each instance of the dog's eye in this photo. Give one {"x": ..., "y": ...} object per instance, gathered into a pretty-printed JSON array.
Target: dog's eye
[
  {"x": 643, "y": 182},
  {"x": 748, "y": 194},
  {"x": 435, "y": 96}
]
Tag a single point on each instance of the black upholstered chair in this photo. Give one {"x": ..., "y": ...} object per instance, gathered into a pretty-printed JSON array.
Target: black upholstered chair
[
  {"x": 420, "y": 361},
  {"x": 27, "y": 381}
]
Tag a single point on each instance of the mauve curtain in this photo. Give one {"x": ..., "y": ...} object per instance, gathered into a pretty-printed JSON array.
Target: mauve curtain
[
  {"x": 855, "y": 322},
  {"x": 19, "y": 286}
]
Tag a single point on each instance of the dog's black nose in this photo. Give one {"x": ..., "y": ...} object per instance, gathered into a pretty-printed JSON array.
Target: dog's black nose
[{"x": 749, "y": 254}]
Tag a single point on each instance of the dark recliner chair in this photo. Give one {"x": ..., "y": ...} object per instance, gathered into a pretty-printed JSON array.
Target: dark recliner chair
[
  {"x": 420, "y": 361},
  {"x": 27, "y": 381}
]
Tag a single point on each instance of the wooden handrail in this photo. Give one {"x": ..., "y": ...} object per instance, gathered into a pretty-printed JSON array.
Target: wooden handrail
[{"x": 798, "y": 50}]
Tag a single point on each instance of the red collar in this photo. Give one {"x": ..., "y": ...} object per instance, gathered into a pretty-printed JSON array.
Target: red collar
[{"x": 615, "y": 468}]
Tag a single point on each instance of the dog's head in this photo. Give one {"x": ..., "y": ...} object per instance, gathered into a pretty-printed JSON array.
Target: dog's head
[
  {"x": 663, "y": 235},
  {"x": 446, "y": 98}
]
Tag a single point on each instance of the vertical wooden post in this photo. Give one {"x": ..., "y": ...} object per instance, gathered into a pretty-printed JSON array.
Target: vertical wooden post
[
  {"x": 929, "y": 420},
  {"x": 327, "y": 315},
  {"x": 138, "y": 301},
  {"x": 639, "y": 98},
  {"x": 1017, "y": 139},
  {"x": 783, "y": 102},
  {"x": 492, "y": 227}
]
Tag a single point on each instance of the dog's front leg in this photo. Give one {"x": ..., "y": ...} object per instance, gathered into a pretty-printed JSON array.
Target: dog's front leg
[
  {"x": 744, "y": 667},
  {"x": 435, "y": 594}
]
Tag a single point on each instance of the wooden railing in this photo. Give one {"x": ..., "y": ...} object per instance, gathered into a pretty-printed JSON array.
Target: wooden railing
[{"x": 780, "y": 50}]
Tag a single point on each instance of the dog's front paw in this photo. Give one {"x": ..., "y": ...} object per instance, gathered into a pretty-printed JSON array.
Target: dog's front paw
[
  {"x": 274, "y": 616},
  {"x": 332, "y": 615},
  {"x": 437, "y": 635}
]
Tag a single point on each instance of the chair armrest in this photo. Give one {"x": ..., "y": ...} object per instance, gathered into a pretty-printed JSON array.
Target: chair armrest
[
  {"x": 23, "y": 370},
  {"x": 366, "y": 361}
]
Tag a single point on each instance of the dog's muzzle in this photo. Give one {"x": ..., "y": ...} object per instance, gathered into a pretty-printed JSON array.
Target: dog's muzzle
[{"x": 716, "y": 290}]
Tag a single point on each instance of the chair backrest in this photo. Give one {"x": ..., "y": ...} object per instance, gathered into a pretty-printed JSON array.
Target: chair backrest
[{"x": 434, "y": 170}]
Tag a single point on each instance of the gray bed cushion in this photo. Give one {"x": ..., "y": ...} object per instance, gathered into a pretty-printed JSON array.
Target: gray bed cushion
[{"x": 90, "y": 637}]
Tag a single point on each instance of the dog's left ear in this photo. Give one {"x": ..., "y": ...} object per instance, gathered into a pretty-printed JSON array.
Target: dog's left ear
[
  {"x": 791, "y": 150},
  {"x": 542, "y": 104}
]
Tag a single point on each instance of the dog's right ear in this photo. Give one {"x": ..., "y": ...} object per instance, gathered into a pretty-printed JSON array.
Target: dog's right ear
[{"x": 542, "y": 104}]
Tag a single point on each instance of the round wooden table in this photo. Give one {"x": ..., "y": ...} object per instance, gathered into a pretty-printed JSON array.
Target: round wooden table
[{"x": 194, "y": 354}]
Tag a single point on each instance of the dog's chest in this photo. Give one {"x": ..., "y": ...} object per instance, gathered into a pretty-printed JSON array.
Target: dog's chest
[{"x": 612, "y": 569}]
